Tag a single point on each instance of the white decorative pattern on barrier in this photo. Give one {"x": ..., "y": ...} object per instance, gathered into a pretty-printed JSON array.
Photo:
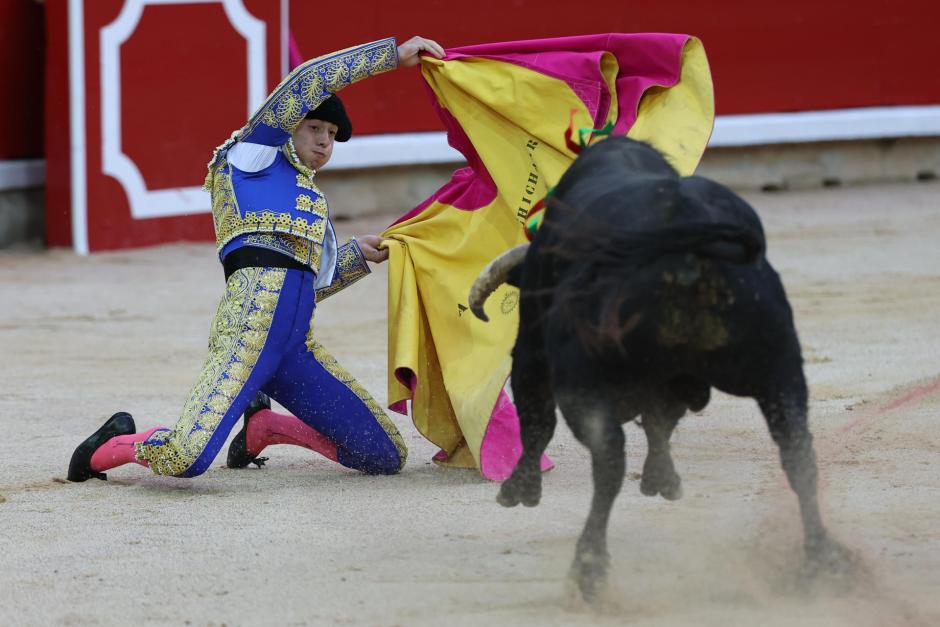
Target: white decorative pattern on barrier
[{"x": 147, "y": 203}]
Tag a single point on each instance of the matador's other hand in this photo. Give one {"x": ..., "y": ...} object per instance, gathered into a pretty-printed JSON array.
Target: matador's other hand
[
  {"x": 369, "y": 244},
  {"x": 408, "y": 52}
]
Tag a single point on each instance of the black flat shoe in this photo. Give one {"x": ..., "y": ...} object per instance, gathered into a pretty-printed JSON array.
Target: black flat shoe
[
  {"x": 120, "y": 423},
  {"x": 238, "y": 455}
]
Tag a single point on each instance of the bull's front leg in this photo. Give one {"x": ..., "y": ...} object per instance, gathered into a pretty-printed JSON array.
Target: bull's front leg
[
  {"x": 786, "y": 414},
  {"x": 602, "y": 433},
  {"x": 532, "y": 393}
]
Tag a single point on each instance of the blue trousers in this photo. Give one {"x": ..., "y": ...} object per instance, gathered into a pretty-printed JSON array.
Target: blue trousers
[{"x": 262, "y": 339}]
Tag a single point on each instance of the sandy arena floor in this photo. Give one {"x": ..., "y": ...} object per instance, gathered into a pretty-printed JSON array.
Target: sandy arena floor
[{"x": 305, "y": 542}]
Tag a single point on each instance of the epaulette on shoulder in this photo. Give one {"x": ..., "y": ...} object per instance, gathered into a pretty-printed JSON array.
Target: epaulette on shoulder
[{"x": 219, "y": 153}]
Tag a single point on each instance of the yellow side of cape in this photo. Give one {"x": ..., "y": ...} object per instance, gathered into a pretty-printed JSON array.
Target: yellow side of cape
[{"x": 516, "y": 119}]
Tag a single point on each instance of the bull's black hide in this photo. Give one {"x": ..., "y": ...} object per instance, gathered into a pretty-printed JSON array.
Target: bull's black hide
[{"x": 641, "y": 291}]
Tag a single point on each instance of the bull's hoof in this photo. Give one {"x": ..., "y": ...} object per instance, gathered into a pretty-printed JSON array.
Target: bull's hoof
[
  {"x": 828, "y": 557},
  {"x": 672, "y": 491},
  {"x": 668, "y": 484},
  {"x": 517, "y": 490},
  {"x": 589, "y": 573}
]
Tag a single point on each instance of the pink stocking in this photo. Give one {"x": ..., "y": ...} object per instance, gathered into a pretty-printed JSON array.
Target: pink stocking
[
  {"x": 267, "y": 427},
  {"x": 118, "y": 451}
]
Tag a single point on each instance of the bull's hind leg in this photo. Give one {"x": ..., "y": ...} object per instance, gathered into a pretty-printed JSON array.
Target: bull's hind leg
[
  {"x": 786, "y": 414},
  {"x": 532, "y": 392},
  {"x": 659, "y": 473},
  {"x": 597, "y": 426}
]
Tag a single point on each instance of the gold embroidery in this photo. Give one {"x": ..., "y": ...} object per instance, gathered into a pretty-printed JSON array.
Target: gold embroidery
[
  {"x": 238, "y": 334},
  {"x": 298, "y": 248},
  {"x": 350, "y": 267},
  {"x": 217, "y": 155},
  {"x": 320, "y": 207},
  {"x": 225, "y": 212},
  {"x": 311, "y": 86},
  {"x": 290, "y": 110},
  {"x": 268, "y": 118},
  {"x": 230, "y": 223},
  {"x": 381, "y": 60},
  {"x": 306, "y": 203},
  {"x": 304, "y": 89},
  {"x": 312, "y": 82},
  {"x": 305, "y": 182},
  {"x": 360, "y": 68},
  {"x": 291, "y": 153},
  {"x": 337, "y": 73},
  {"x": 325, "y": 359}
]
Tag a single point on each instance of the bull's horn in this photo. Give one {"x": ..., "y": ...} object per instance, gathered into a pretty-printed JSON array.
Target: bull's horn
[{"x": 492, "y": 276}]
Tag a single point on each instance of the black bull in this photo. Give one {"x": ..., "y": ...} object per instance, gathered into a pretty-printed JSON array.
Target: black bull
[{"x": 640, "y": 292}]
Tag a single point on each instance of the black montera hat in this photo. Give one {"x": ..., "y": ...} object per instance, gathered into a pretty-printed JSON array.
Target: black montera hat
[{"x": 332, "y": 110}]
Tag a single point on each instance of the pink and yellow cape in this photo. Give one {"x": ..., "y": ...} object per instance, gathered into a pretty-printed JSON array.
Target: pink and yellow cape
[{"x": 506, "y": 108}]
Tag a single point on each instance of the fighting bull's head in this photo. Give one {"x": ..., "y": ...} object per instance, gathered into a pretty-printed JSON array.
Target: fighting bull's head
[{"x": 492, "y": 276}]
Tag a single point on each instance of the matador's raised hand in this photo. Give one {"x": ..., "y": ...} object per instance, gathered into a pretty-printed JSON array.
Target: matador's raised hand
[{"x": 408, "y": 52}]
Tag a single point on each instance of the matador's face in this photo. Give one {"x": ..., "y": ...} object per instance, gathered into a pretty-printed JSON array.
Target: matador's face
[{"x": 313, "y": 141}]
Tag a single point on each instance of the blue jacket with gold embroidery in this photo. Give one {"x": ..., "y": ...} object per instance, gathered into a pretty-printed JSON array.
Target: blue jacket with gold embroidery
[{"x": 283, "y": 198}]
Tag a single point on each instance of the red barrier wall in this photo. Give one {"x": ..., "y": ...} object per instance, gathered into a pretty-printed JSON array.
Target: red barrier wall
[
  {"x": 56, "y": 123},
  {"x": 800, "y": 55},
  {"x": 765, "y": 56},
  {"x": 22, "y": 45},
  {"x": 181, "y": 94},
  {"x": 183, "y": 76}
]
